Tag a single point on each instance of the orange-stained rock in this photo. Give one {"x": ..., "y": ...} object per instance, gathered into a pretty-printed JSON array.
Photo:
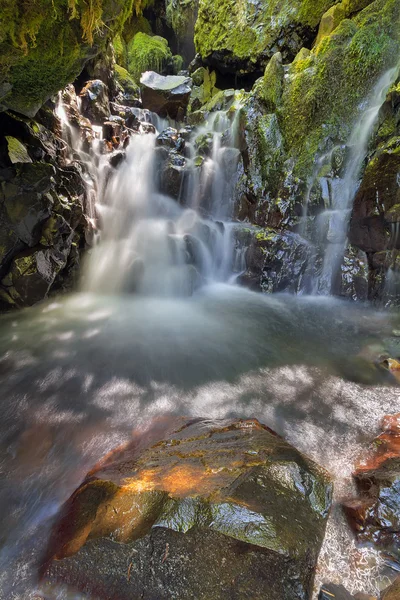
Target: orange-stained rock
[
  {"x": 393, "y": 592},
  {"x": 375, "y": 515},
  {"x": 232, "y": 489}
]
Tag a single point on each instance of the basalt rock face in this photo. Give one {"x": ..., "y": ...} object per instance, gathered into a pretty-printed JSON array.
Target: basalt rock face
[
  {"x": 376, "y": 213},
  {"x": 41, "y": 210},
  {"x": 375, "y": 516},
  {"x": 203, "y": 509}
]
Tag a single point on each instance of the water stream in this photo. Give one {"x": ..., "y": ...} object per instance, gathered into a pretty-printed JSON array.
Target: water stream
[
  {"x": 159, "y": 327},
  {"x": 339, "y": 192}
]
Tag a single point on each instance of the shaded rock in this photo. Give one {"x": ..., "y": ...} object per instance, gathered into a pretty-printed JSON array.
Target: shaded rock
[
  {"x": 41, "y": 211},
  {"x": 375, "y": 515},
  {"x": 276, "y": 262},
  {"x": 166, "y": 96},
  {"x": 181, "y": 17},
  {"x": 170, "y": 138},
  {"x": 95, "y": 102},
  {"x": 199, "y": 509},
  {"x": 172, "y": 175}
]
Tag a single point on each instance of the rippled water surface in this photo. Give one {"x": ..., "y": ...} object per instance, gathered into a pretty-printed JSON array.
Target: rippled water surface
[{"x": 78, "y": 374}]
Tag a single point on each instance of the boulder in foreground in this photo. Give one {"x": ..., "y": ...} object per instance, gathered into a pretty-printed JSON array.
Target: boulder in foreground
[{"x": 203, "y": 510}]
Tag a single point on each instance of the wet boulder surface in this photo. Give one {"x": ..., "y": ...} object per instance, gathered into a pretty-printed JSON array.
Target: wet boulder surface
[
  {"x": 166, "y": 95},
  {"x": 375, "y": 515},
  {"x": 200, "y": 509}
]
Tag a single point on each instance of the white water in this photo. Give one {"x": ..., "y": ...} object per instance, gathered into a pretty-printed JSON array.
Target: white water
[
  {"x": 332, "y": 224},
  {"x": 149, "y": 243},
  {"x": 79, "y": 373}
]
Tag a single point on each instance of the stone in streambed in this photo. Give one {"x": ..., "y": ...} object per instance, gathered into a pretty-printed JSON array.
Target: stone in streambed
[
  {"x": 166, "y": 96},
  {"x": 95, "y": 101},
  {"x": 201, "y": 510},
  {"x": 375, "y": 515}
]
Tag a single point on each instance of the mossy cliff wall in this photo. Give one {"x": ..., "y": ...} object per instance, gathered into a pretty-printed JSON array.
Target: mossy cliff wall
[{"x": 44, "y": 44}]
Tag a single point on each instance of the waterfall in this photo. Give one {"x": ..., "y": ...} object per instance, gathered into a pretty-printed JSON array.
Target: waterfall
[
  {"x": 332, "y": 223},
  {"x": 152, "y": 244}
]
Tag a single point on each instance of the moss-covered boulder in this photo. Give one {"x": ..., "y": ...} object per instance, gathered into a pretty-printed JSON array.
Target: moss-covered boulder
[
  {"x": 325, "y": 87},
  {"x": 45, "y": 44},
  {"x": 202, "y": 509},
  {"x": 242, "y": 36},
  {"x": 147, "y": 53}
]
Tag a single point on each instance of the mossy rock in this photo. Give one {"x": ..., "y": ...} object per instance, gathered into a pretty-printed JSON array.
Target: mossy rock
[
  {"x": 147, "y": 53},
  {"x": 126, "y": 81},
  {"x": 324, "y": 88},
  {"x": 242, "y": 36},
  {"x": 269, "y": 88},
  {"x": 330, "y": 21},
  {"x": 225, "y": 508},
  {"x": 45, "y": 44}
]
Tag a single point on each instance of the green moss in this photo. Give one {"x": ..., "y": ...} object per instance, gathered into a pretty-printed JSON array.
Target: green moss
[
  {"x": 177, "y": 62},
  {"x": 45, "y": 43},
  {"x": 324, "y": 90},
  {"x": 125, "y": 80},
  {"x": 248, "y": 31},
  {"x": 270, "y": 87},
  {"x": 147, "y": 53},
  {"x": 17, "y": 152}
]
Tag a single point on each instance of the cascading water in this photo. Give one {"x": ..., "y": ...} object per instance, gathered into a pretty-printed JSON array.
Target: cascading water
[
  {"x": 338, "y": 193},
  {"x": 152, "y": 245},
  {"x": 96, "y": 364}
]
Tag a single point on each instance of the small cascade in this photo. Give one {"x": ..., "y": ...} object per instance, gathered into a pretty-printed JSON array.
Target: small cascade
[
  {"x": 153, "y": 244},
  {"x": 331, "y": 225}
]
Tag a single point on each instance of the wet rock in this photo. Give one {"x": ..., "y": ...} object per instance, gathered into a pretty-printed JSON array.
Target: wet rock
[
  {"x": 117, "y": 158},
  {"x": 170, "y": 138},
  {"x": 331, "y": 591},
  {"x": 166, "y": 96},
  {"x": 204, "y": 144},
  {"x": 276, "y": 262},
  {"x": 41, "y": 211},
  {"x": 95, "y": 102},
  {"x": 199, "y": 508},
  {"x": 375, "y": 515},
  {"x": 172, "y": 175},
  {"x": 393, "y": 592},
  {"x": 354, "y": 275},
  {"x": 32, "y": 274}
]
